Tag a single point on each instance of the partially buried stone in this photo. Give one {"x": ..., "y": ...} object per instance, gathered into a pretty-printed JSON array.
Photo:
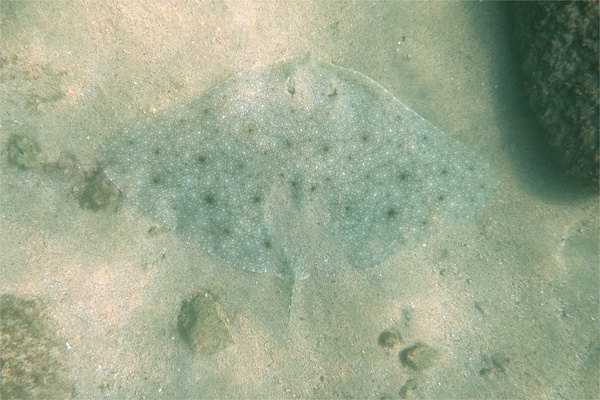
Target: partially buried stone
[
  {"x": 201, "y": 324},
  {"x": 23, "y": 152},
  {"x": 407, "y": 390},
  {"x": 98, "y": 192},
  {"x": 419, "y": 356},
  {"x": 497, "y": 362},
  {"x": 388, "y": 339}
]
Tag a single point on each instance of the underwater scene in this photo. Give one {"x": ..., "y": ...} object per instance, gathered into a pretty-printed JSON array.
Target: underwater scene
[{"x": 307, "y": 199}]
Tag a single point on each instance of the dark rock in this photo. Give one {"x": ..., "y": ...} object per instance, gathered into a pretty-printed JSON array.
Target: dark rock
[{"x": 559, "y": 44}]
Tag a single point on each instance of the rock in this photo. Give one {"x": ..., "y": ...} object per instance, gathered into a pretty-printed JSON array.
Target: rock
[
  {"x": 201, "y": 324},
  {"x": 98, "y": 192},
  {"x": 389, "y": 339},
  {"x": 419, "y": 356},
  {"x": 496, "y": 363},
  {"x": 23, "y": 152},
  {"x": 559, "y": 48}
]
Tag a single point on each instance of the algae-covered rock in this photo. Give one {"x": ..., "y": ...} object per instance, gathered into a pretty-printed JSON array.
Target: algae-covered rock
[
  {"x": 389, "y": 338},
  {"x": 98, "y": 192},
  {"x": 201, "y": 324},
  {"x": 559, "y": 50},
  {"x": 23, "y": 152}
]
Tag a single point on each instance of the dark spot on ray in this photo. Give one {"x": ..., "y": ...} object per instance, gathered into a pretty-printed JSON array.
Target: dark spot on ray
[
  {"x": 256, "y": 199},
  {"x": 296, "y": 189},
  {"x": 391, "y": 213},
  {"x": 210, "y": 199},
  {"x": 403, "y": 176},
  {"x": 239, "y": 166}
]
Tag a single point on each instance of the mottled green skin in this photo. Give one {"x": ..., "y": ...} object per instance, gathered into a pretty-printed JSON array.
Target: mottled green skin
[{"x": 284, "y": 167}]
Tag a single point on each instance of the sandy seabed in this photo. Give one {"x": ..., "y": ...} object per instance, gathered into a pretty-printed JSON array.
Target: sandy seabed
[{"x": 508, "y": 300}]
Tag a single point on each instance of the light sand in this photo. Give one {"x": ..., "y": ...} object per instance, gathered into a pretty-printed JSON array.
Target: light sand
[{"x": 519, "y": 280}]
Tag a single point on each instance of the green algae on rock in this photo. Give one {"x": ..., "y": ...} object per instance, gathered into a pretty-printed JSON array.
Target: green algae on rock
[
  {"x": 559, "y": 43},
  {"x": 98, "y": 192},
  {"x": 389, "y": 339},
  {"x": 201, "y": 325},
  {"x": 279, "y": 163},
  {"x": 23, "y": 152}
]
